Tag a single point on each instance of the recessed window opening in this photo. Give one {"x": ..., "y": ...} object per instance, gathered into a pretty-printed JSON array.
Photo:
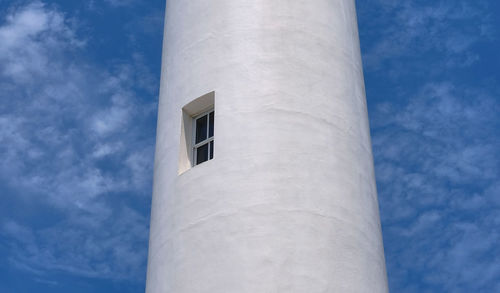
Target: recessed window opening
[
  {"x": 203, "y": 145},
  {"x": 196, "y": 144}
]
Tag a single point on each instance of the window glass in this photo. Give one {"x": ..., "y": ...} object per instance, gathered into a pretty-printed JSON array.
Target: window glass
[
  {"x": 211, "y": 149},
  {"x": 201, "y": 129},
  {"x": 202, "y": 154},
  {"x": 203, "y": 149},
  {"x": 211, "y": 125}
]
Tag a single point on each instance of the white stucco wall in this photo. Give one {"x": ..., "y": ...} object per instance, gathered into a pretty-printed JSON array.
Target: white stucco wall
[{"x": 289, "y": 203}]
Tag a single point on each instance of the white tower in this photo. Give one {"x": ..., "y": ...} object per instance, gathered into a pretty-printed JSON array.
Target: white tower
[{"x": 282, "y": 196}]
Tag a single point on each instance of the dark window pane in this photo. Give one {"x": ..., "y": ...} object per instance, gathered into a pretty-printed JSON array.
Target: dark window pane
[
  {"x": 202, "y": 154},
  {"x": 211, "y": 125},
  {"x": 201, "y": 129},
  {"x": 211, "y": 149}
]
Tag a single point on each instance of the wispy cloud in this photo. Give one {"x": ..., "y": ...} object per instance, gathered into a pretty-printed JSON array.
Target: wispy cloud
[
  {"x": 64, "y": 125},
  {"x": 437, "y": 170},
  {"x": 409, "y": 29},
  {"x": 434, "y": 122},
  {"x": 121, "y": 2},
  {"x": 70, "y": 247}
]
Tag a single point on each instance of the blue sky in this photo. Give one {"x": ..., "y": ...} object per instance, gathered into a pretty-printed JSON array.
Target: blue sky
[{"x": 78, "y": 91}]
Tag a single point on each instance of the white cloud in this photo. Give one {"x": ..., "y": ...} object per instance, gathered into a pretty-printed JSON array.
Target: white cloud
[
  {"x": 71, "y": 139},
  {"x": 103, "y": 150},
  {"x": 70, "y": 248},
  {"x": 409, "y": 29},
  {"x": 114, "y": 118},
  {"x": 437, "y": 175},
  {"x": 120, "y": 2},
  {"x": 139, "y": 163},
  {"x": 30, "y": 36}
]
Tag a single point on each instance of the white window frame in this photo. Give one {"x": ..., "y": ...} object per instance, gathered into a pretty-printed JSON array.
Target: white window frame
[{"x": 207, "y": 141}]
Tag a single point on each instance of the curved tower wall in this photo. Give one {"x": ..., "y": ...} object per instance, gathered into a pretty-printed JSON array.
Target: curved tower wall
[{"x": 289, "y": 202}]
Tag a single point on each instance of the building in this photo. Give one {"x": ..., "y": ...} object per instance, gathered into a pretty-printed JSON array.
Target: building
[{"x": 264, "y": 178}]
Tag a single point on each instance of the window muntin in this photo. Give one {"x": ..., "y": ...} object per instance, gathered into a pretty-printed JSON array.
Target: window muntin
[{"x": 203, "y": 149}]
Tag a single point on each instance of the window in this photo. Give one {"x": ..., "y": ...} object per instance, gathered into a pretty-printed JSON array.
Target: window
[
  {"x": 203, "y": 144},
  {"x": 196, "y": 143}
]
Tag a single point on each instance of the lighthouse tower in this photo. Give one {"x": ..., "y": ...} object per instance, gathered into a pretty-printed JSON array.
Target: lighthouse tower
[{"x": 263, "y": 178}]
